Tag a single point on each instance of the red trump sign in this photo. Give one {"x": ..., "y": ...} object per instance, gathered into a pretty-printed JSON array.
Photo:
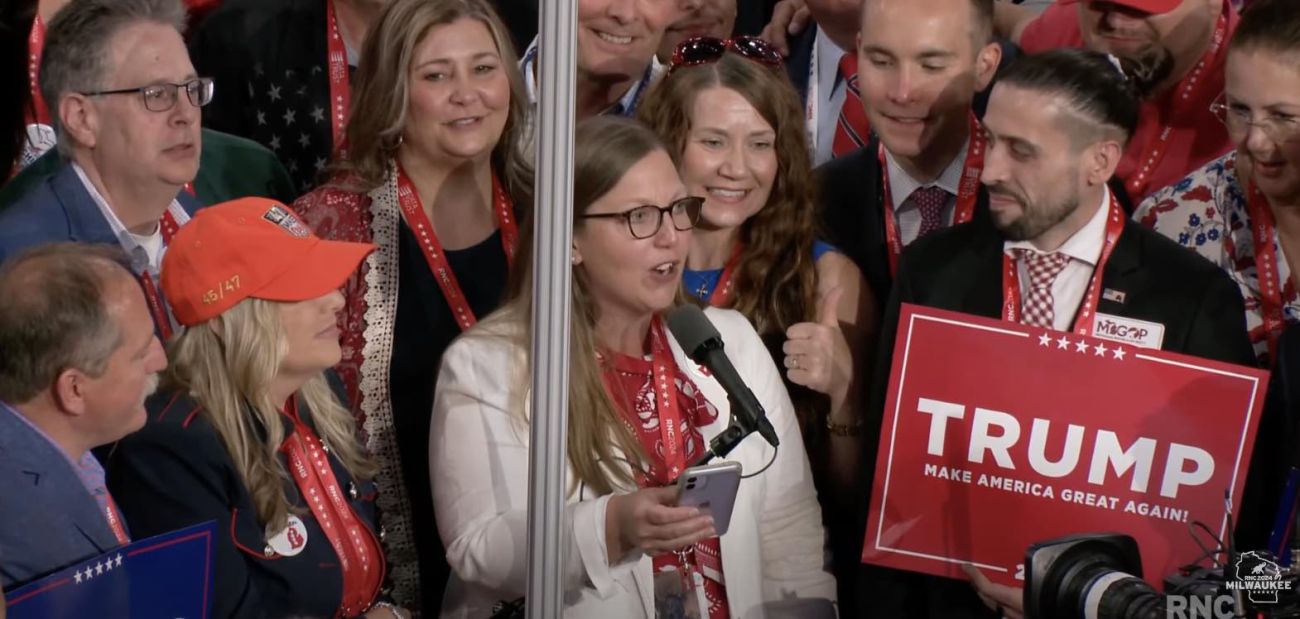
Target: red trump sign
[{"x": 997, "y": 435}]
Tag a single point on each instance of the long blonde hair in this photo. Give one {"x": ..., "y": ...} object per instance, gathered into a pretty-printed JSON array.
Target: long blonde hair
[
  {"x": 227, "y": 365},
  {"x": 381, "y": 94},
  {"x": 605, "y": 149}
]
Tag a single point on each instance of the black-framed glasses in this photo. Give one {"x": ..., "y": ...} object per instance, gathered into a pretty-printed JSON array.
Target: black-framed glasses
[
  {"x": 1279, "y": 128},
  {"x": 645, "y": 221},
  {"x": 162, "y": 97},
  {"x": 703, "y": 50}
]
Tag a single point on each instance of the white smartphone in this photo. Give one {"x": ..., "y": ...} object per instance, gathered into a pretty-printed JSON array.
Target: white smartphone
[{"x": 712, "y": 489}]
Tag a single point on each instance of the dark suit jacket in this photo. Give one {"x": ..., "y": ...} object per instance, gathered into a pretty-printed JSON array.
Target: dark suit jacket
[
  {"x": 960, "y": 269},
  {"x": 1277, "y": 446},
  {"x": 60, "y": 209},
  {"x": 48, "y": 520},
  {"x": 852, "y": 213},
  {"x": 177, "y": 472}
]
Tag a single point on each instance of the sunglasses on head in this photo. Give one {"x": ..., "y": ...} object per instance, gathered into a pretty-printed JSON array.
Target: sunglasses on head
[{"x": 703, "y": 50}]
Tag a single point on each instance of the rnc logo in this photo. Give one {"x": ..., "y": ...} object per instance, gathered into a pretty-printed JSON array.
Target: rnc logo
[{"x": 1199, "y": 607}]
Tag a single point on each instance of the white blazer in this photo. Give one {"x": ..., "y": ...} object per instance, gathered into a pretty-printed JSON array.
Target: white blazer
[{"x": 772, "y": 555}]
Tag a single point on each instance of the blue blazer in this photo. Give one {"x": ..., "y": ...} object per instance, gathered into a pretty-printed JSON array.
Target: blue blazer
[
  {"x": 48, "y": 520},
  {"x": 60, "y": 209}
]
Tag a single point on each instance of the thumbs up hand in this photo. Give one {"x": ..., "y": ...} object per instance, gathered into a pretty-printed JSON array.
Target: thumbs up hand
[{"x": 817, "y": 354}]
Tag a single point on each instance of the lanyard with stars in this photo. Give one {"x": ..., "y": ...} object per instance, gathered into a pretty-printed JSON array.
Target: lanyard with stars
[
  {"x": 340, "y": 90},
  {"x": 35, "y": 47},
  {"x": 1271, "y": 290},
  {"x": 413, "y": 213},
  {"x": 967, "y": 191}
]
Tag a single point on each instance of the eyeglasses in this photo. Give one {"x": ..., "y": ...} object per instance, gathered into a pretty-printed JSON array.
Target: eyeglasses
[
  {"x": 703, "y": 50},
  {"x": 645, "y": 221},
  {"x": 162, "y": 97},
  {"x": 1280, "y": 128}
]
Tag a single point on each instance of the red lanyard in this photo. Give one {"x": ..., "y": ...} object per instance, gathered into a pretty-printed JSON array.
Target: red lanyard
[
  {"x": 1271, "y": 290},
  {"x": 418, "y": 222},
  {"x": 359, "y": 556},
  {"x": 967, "y": 191},
  {"x": 721, "y": 295},
  {"x": 114, "y": 518},
  {"x": 1158, "y": 146},
  {"x": 1083, "y": 322},
  {"x": 168, "y": 226},
  {"x": 340, "y": 90},
  {"x": 666, "y": 404},
  {"x": 35, "y": 47}
]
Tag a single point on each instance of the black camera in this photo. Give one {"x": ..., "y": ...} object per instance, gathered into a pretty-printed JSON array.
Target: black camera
[{"x": 1099, "y": 576}]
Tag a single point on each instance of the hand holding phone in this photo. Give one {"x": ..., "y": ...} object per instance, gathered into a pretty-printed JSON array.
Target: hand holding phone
[{"x": 711, "y": 489}]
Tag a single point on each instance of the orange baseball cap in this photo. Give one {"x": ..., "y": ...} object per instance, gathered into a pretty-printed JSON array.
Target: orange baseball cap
[
  {"x": 250, "y": 248},
  {"x": 1146, "y": 6}
]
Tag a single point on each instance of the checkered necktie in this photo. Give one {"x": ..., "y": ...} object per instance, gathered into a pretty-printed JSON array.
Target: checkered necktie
[
  {"x": 852, "y": 128},
  {"x": 930, "y": 202},
  {"x": 1043, "y": 270}
]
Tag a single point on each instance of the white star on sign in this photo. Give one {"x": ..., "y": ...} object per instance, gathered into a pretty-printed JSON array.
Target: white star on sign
[
  {"x": 118, "y": 560},
  {"x": 1044, "y": 339},
  {"x": 1063, "y": 343},
  {"x": 1081, "y": 346},
  {"x": 274, "y": 93},
  {"x": 77, "y": 577},
  {"x": 318, "y": 114},
  {"x": 99, "y": 569},
  {"x": 1119, "y": 353},
  {"x": 289, "y": 117},
  {"x": 1101, "y": 350},
  {"x": 108, "y": 565}
]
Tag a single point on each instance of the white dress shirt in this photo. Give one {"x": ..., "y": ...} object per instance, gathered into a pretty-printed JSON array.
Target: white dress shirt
[
  {"x": 829, "y": 94},
  {"x": 901, "y": 185},
  {"x": 145, "y": 251},
  {"x": 1084, "y": 250}
]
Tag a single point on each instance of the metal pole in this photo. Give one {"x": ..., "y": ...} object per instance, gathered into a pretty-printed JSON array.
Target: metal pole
[{"x": 557, "y": 70}]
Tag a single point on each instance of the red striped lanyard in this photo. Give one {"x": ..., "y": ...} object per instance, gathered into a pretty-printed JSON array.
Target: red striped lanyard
[
  {"x": 967, "y": 191},
  {"x": 721, "y": 294},
  {"x": 360, "y": 559},
  {"x": 1159, "y": 146},
  {"x": 168, "y": 226},
  {"x": 1271, "y": 290},
  {"x": 666, "y": 404},
  {"x": 35, "y": 47},
  {"x": 1083, "y": 322},
  {"x": 415, "y": 218},
  {"x": 340, "y": 89}
]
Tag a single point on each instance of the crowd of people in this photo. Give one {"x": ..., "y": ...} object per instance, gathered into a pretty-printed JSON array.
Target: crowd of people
[{"x": 269, "y": 263}]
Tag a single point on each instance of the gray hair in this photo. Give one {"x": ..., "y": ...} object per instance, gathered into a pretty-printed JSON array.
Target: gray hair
[
  {"x": 54, "y": 316},
  {"x": 77, "y": 41}
]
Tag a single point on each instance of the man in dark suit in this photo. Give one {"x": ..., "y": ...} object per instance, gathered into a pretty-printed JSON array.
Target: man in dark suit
[
  {"x": 80, "y": 356},
  {"x": 129, "y": 130},
  {"x": 1056, "y": 251},
  {"x": 924, "y": 62}
]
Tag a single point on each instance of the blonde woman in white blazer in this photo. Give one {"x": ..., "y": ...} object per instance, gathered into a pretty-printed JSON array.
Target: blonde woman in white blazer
[{"x": 623, "y": 529}]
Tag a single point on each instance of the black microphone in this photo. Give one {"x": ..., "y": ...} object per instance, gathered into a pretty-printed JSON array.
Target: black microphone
[{"x": 703, "y": 344}]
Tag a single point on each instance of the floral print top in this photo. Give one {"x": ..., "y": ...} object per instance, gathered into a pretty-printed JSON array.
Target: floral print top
[{"x": 1206, "y": 212}]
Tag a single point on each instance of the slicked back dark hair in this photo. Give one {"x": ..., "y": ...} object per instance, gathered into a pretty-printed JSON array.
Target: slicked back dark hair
[
  {"x": 1269, "y": 25},
  {"x": 1088, "y": 82}
]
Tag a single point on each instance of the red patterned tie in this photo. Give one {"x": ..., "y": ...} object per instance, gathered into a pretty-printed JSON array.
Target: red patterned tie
[
  {"x": 852, "y": 129},
  {"x": 930, "y": 202},
  {"x": 1043, "y": 270}
]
